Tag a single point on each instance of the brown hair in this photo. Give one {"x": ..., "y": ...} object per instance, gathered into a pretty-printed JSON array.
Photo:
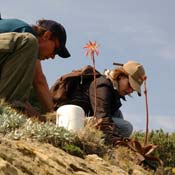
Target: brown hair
[
  {"x": 115, "y": 74},
  {"x": 39, "y": 29}
]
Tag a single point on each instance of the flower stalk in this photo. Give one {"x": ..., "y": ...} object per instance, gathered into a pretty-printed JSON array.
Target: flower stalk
[
  {"x": 92, "y": 49},
  {"x": 147, "y": 114}
]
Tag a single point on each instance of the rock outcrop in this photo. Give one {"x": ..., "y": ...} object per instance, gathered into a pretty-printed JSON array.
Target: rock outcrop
[{"x": 34, "y": 158}]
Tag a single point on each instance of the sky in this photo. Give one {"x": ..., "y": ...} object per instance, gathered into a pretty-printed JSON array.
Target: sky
[{"x": 137, "y": 30}]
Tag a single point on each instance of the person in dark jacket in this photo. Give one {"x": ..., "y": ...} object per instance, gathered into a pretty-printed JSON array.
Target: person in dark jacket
[
  {"x": 114, "y": 86},
  {"x": 21, "y": 49}
]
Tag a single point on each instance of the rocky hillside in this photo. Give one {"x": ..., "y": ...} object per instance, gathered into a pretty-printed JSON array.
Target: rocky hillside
[
  {"x": 29, "y": 147},
  {"x": 34, "y": 158}
]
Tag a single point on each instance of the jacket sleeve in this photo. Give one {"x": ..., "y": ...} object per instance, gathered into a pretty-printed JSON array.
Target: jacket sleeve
[{"x": 104, "y": 96}]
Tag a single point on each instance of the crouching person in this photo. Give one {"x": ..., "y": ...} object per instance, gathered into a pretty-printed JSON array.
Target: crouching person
[
  {"x": 21, "y": 50},
  {"x": 113, "y": 87}
]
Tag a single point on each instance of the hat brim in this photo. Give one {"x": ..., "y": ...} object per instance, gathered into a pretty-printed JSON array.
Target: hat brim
[
  {"x": 63, "y": 52},
  {"x": 134, "y": 84}
]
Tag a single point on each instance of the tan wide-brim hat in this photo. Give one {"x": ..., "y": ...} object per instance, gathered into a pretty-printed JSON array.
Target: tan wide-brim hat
[{"x": 136, "y": 75}]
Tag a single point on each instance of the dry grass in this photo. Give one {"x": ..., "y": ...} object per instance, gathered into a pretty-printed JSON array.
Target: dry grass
[{"x": 91, "y": 140}]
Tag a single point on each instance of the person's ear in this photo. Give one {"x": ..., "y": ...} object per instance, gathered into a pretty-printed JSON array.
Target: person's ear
[
  {"x": 143, "y": 77},
  {"x": 47, "y": 35}
]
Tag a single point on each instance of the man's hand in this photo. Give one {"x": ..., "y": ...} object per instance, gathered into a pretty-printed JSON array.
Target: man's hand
[
  {"x": 32, "y": 112},
  {"x": 27, "y": 109}
]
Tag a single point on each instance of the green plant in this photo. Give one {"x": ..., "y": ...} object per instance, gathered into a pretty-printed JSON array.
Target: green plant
[
  {"x": 74, "y": 150},
  {"x": 9, "y": 118},
  {"x": 166, "y": 145},
  {"x": 43, "y": 132}
]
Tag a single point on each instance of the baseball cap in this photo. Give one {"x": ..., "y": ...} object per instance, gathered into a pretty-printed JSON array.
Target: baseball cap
[
  {"x": 58, "y": 30},
  {"x": 136, "y": 75}
]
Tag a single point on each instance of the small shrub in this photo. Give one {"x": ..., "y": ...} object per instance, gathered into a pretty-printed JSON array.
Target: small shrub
[
  {"x": 166, "y": 145},
  {"x": 74, "y": 150},
  {"x": 9, "y": 118},
  {"x": 91, "y": 141},
  {"x": 44, "y": 132}
]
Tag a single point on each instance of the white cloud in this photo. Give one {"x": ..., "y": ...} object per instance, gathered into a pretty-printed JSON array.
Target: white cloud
[{"x": 166, "y": 122}]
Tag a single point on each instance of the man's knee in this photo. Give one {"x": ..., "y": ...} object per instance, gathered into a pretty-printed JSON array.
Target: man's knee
[
  {"x": 125, "y": 128},
  {"x": 128, "y": 129}
]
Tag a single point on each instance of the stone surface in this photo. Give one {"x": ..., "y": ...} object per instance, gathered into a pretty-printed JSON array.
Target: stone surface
[{"x": 33, "y": 158}]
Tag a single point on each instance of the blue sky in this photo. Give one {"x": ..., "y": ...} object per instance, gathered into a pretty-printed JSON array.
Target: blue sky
[{"x": 126, "y": 30}]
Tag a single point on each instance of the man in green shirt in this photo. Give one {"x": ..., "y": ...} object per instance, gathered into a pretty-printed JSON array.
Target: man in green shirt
[{"x": 21, "y": 49}]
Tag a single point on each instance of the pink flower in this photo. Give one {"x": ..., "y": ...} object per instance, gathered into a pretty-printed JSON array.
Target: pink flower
[{"x": 92, "y": 48}]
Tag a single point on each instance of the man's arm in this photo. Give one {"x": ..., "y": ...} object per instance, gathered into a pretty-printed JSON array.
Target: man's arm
[{"x": 42, "y": 89}]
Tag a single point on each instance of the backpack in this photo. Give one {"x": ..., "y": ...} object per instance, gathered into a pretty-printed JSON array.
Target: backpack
[{"x": 70, "y": 83}]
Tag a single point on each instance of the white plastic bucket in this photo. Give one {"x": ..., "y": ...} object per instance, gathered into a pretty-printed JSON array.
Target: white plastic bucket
[{"x": 70, "y": 117}]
